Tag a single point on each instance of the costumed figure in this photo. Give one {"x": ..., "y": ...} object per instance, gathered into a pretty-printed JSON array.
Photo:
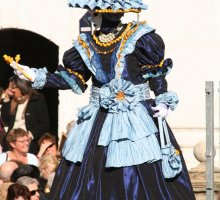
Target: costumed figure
[{"x": 121, "y": 147}]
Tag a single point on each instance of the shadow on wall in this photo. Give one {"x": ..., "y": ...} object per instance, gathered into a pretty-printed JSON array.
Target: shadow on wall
[{"x": 35, "y": 51}]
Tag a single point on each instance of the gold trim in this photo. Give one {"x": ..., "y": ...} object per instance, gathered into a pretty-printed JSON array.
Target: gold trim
[
  {"x": 135, "y": 10},
  {"x": 76, "y": 74},
  {"x": 127, "y": 35},
  {"x": 154, "y": 66},
  {"x": 84, "y": 45},
  {"x": 103, "y": 52}
]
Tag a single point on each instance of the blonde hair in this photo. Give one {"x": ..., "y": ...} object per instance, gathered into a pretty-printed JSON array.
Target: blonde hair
[{"x": 47, "y": 160}]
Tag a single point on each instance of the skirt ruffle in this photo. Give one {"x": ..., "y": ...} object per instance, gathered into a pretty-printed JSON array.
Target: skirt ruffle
[{"x": 90, "y": 179}]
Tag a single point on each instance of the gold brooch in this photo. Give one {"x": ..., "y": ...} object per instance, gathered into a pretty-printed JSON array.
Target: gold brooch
[{"x": 120, "y": 96}]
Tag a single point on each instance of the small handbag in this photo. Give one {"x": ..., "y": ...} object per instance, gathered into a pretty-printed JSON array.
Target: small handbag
[{"x": 171, "y": 160}]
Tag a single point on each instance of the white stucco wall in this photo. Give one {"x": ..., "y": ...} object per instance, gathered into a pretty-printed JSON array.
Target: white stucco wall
[{"x": 190, "y": 30}]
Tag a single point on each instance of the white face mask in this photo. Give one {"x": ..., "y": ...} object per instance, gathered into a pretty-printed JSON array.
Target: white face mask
[{"x": 96, "y": 19}]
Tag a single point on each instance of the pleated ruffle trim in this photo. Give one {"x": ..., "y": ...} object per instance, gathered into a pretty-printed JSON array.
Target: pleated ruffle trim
[
  {"x": 108, "y": 4},
  {"x": 169, "y": 98},
  {"x": 40, "y": 80},
  {"x": 128, "y": 143}
]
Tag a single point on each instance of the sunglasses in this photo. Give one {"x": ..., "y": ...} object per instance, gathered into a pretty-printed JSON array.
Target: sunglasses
[{"x": 33, "y": 192}]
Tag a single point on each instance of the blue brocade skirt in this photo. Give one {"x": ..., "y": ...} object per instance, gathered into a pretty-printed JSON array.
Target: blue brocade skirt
[{"x": 91, "y": 180}]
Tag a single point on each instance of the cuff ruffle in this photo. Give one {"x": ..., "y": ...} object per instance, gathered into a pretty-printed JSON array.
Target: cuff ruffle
[
  {"x": 40, "y": 80},
  {"x": 168, "y": 98}
]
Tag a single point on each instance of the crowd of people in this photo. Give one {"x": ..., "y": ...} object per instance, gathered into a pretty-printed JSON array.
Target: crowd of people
[{"x": 29, "y": 154}]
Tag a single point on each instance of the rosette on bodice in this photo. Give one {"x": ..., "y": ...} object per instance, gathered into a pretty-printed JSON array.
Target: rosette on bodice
[{"x": 118, "y": 95}]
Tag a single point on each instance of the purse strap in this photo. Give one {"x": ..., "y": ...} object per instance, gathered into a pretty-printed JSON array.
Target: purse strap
[{"x": 163, "y": 131}]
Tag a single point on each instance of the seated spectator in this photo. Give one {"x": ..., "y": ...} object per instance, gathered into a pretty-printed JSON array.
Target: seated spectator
[
  {"x": 48, "y": 165},
  {"x": 18, "y": 192},
  {"x": 23, "y": 107},
  {"x": 32, "y": 185},
  {"x": 47, "y": 146},
  {"x": 4, "y": 190},
  {"x": 25, "y": 170},
  {"x": 19, "y": 142},
  {"x": 6, "y": 170}
]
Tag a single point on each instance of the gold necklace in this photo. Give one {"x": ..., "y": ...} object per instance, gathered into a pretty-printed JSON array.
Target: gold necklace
[
  {"x": 102, "y": 52},
  {"x": 107, "y": 44}
]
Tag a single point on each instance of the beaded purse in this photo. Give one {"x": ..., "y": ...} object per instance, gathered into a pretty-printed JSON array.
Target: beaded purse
[{"x": 171, "y": 160}]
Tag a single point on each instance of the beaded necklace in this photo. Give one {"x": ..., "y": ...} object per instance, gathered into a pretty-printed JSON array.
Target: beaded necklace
[
  {"x": 104, "y": 38},
  {"x": 114, "y": 41}
]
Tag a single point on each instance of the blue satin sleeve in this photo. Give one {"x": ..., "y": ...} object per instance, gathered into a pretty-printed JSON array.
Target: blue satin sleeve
[
  {"x": 73, "y": 74},
  {"x": 149, "y": 51},
  {"x": 73, "y": 61},
  {"x": 54, "y": 80}
]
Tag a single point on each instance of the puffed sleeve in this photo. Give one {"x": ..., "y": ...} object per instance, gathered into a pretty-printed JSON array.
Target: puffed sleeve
[
  {"x": 73, "y": 74},
  {"x": 150, "y": 50}
]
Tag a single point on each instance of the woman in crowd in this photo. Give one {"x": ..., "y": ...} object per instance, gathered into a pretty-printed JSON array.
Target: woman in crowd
[
  {"x": 19, "y": 142},
  {"x": 47, "y": 146},
  {"x": 32, "y": 185},
  {"x": 23, "y": 107},
  {"x": 18, "y": 192},
  {"x": 47, "y": 165}
]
